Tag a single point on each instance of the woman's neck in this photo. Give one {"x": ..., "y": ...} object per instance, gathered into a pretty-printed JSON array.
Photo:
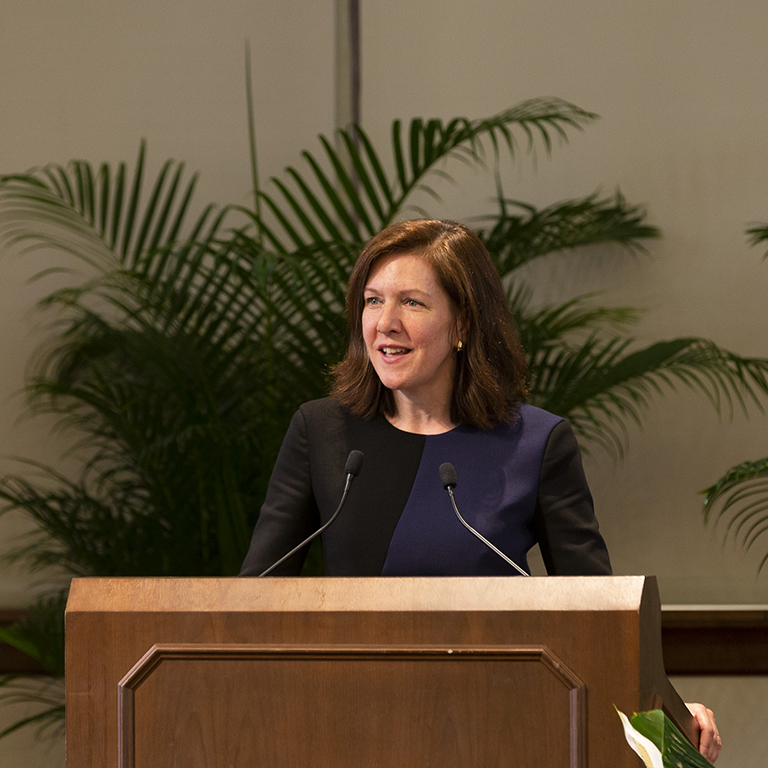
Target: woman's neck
[{"x": 414, "y": 417}]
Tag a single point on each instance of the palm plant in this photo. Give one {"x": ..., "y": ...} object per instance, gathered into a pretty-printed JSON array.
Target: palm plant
[
  {"x": 740, "y": 496},
  {"x": 178, "y": 362}
]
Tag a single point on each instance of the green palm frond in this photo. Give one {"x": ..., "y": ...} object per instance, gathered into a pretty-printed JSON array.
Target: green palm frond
[
  {"x": 96, "y": 215},
  {"x": 348, "y": 195},
  {"x": 45, "y": 694},
  {"x": 40, "y": 634},
  {"x": 155, "y": 364},
  {"x": 601, "y": 386},
  {"x": 758, "y": 234},
  {"x": 551, "y": 324},
  {"x": 740, "y": 497},
  {"x": 171, "y": 423},
  {"x": 82, "y": 533},
  {"x": 524, "y": 233}
]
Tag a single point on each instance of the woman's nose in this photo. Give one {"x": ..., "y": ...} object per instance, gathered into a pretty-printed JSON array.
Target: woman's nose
[{"x": 389, "y": 320}]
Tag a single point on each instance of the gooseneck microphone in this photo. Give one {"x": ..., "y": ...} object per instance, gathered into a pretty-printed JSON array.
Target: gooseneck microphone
[
  {"x": 352, "y": 468},
  {"x": 448, "y": 479}
]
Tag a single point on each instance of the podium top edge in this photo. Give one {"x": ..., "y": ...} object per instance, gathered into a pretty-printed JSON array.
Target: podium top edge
[{"x": 334, "y": 595}]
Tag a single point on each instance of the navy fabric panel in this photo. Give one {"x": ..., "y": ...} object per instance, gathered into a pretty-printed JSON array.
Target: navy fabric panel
[{"x": 498, "y": 475}]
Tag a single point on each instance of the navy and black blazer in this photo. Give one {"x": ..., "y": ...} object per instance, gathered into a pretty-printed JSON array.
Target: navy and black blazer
[{"x": 519, "y": 485}]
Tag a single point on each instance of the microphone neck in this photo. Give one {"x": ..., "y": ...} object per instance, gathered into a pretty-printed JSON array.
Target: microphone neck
[
  {"x": 353, "y": 466},
  {"x": 482, "y": 538}
]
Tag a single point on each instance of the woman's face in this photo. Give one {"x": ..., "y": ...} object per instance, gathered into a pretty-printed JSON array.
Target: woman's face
[{"x": 409, "y": 329}]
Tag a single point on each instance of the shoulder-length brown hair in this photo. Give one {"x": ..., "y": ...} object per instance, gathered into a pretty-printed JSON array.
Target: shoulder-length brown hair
[{"x": 491, "y": 369}]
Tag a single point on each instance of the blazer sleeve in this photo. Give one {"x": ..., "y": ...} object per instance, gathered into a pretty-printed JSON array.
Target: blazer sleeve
[
  {"x": 289, "y": 513},
  {"x": 565, "y": 523}
]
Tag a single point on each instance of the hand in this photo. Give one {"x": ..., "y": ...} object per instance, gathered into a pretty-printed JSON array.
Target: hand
[{"x": 709, "y": 738}]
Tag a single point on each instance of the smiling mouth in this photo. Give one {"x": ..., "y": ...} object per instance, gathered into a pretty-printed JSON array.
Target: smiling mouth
[{"x": 393, "y": 351}]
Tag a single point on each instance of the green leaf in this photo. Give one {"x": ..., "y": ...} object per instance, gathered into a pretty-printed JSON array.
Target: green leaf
[
  {"x": 429, "y": 143},
  {"x": 740, "y": 498},
  {"x": 40, "y": 634},
  {"x": 44, "y": 694},
  {"x": 758, "y": 234},
  {"x": 529, "y": 233},
  {"x": 676, "y": 751},
  {"x": 601, "y": 386}
]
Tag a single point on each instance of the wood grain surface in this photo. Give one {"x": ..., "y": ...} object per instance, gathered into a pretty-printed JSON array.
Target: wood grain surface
[{"x": 360, "y": 672}]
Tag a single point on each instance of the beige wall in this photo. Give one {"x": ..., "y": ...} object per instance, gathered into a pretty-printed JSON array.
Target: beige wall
[{"x": 680, "y": 87}]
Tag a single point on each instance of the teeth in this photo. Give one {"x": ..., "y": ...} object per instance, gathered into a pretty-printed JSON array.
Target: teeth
[{"x": 393, "y": 350}]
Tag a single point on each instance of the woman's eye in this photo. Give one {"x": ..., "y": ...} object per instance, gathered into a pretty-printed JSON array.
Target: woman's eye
[
  {"x": 371, "y": 301},
  {"x": 412, "y": 303}
]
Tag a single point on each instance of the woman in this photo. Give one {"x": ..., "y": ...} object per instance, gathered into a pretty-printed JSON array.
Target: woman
[{"x": 434, "y": 373}]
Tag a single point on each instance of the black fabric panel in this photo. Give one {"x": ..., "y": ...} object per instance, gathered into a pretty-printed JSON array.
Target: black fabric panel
[
  {"x": 290, "y": 513},
  {"x": 357, "y": 543},
  {"x": 565, "y": 523},
  {"x": 307, "y": 484}
]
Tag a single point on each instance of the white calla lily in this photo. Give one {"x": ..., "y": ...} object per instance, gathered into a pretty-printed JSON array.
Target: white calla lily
[{"x": 648, "y": 751}]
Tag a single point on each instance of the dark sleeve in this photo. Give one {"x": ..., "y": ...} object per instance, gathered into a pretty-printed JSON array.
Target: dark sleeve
[
  {"x": 566, "y": 527},
  {"x": 289, "y": 513}
]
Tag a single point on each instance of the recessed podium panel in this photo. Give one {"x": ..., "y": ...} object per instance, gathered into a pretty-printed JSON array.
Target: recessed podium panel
[
  {"x": 370, "y": 706},
  {"x": 361, "y": 672}
]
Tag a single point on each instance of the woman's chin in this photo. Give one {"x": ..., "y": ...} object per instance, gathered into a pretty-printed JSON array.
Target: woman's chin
[{"x": 392, "y": 376}]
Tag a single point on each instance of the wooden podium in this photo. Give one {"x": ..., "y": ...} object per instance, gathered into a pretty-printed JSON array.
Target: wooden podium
[{"x": 352, "y": 673}]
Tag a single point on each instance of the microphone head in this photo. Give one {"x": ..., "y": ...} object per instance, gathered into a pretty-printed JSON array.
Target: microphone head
[
  {"x": 447, "y": 476},
  {"x": 354, "y": 463}
]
